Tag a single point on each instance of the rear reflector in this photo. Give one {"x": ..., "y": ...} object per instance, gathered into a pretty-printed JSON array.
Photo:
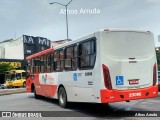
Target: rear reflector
[{"x": 107, "y": 78}]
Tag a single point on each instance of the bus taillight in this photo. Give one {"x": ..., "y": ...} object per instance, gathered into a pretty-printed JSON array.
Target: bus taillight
[
  {"x": 107, "y": 78},
  {"x": 154, "y": 75}
]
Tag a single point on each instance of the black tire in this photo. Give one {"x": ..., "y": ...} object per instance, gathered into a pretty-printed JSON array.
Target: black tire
[
  {"x": 24, "y": 84},
  {"x": 62, "y": 97},
  {"x": 35, "y": 95}
]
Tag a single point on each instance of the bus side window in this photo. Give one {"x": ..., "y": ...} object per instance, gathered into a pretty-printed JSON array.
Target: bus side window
[
  {"x": 74, "y": 58},
  {"x": 18, "y": 76},
  {"x": 48, "y": 62},
  {"x": 87, "y": 54},
  {"x": 32, "y": 66},
  {"x": 61, "y": 59},
  {"x": 71, "y": 58},
  {"x": 45, "y": 63},
  {"x": 68, "y": 57},
  {"x": 52, "y": 62},
  {"x": 24, "y": 75},
  {"x": 42, "y": 64},
  {"x": 28, "y": 66},
  {"x": 37, "y": 61},
  {"x": 56, "y": 61},
  {"x": 93, "y": 53}
]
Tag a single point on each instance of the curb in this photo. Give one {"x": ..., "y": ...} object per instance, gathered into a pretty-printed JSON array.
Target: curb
[{"x": 9, "y": 92}]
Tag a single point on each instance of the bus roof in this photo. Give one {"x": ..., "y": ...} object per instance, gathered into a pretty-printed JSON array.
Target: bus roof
[
  {"x": 124, "y": 30},
  {"x": 99, "y": 31},
  {"x": 40, "y": 53},
  {"x": 84, "y": 37}
]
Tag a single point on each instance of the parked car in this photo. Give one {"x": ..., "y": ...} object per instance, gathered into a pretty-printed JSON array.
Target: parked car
[{"x": 159, "y": 81}]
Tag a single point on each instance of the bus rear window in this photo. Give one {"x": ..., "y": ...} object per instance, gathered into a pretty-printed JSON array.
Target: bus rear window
[{"x": 128, "y": 44}]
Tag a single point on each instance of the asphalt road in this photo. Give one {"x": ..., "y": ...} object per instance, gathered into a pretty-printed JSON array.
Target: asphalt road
[{"x": 27, "y": 102}]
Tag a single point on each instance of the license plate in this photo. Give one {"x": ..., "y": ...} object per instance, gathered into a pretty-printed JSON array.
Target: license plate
[
  {"x": 136, "y": 94},
  {"x": 133, "y": 81}
]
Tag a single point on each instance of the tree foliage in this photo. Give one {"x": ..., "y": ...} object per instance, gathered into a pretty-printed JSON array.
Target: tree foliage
[{"x": 6, "y": 67}]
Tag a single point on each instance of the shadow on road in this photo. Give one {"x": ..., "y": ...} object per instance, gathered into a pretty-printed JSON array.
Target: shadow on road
[{"x": 93, "y": 110}]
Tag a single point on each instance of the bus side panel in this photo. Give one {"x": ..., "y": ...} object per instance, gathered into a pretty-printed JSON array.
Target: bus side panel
[
  {"x": 37, "y": 84},
  {"x": 79, "y": 94},
  {"x": 46, "y": 84},
  {"x": 78, "y": 90},
  {"x": 97, "y": 71},
  {"x": 28, "y": 84}
]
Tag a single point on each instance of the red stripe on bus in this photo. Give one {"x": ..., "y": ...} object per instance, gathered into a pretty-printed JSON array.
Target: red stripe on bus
[
  {"x": 40, "y": 53},
  {"x": 108, "y": 96},
  {"x": 48, "y": 90}
]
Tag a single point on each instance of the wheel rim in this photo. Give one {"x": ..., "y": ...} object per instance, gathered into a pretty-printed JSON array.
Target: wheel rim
[{"x": 62, "y": 97}]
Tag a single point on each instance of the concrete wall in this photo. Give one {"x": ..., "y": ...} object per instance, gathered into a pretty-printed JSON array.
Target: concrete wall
[
  {"x": 14, "y": 49},
  {"x": 2, "y": 52}
]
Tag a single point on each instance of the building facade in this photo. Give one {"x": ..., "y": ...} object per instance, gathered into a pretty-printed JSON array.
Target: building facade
[
  {"x": 15, "y": 51},
  {"x": 23, "y": 47}
]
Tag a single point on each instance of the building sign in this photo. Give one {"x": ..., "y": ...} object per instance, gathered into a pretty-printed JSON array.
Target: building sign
[
  {"x": 36, "y": 40},
  {"x": 44, "y": 41},
  {"x": 15, "y": 64},
  {"x": 28, "y": 39},
  {"x": 34, "y": 44}
]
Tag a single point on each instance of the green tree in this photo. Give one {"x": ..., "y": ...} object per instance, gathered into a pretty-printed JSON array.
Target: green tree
[{"x": 6, "y": 67}]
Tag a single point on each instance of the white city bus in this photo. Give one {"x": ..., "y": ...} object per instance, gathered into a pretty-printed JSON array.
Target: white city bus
[{"x": 106, "y": 66}]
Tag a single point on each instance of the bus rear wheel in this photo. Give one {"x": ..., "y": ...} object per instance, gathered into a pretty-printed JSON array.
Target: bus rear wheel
[
  {"x": 62, "y": 97},
  {"x": 35, "y": 95}
]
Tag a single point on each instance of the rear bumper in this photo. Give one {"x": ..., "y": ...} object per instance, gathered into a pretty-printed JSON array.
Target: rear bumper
[{"x": 124, "y": 95}]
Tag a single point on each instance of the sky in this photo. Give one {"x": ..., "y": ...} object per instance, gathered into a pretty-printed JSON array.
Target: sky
[{"x": 39, "y": 18}]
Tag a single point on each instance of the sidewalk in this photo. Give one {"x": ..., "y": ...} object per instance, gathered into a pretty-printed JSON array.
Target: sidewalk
[{"x": 12, "y": 91}]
